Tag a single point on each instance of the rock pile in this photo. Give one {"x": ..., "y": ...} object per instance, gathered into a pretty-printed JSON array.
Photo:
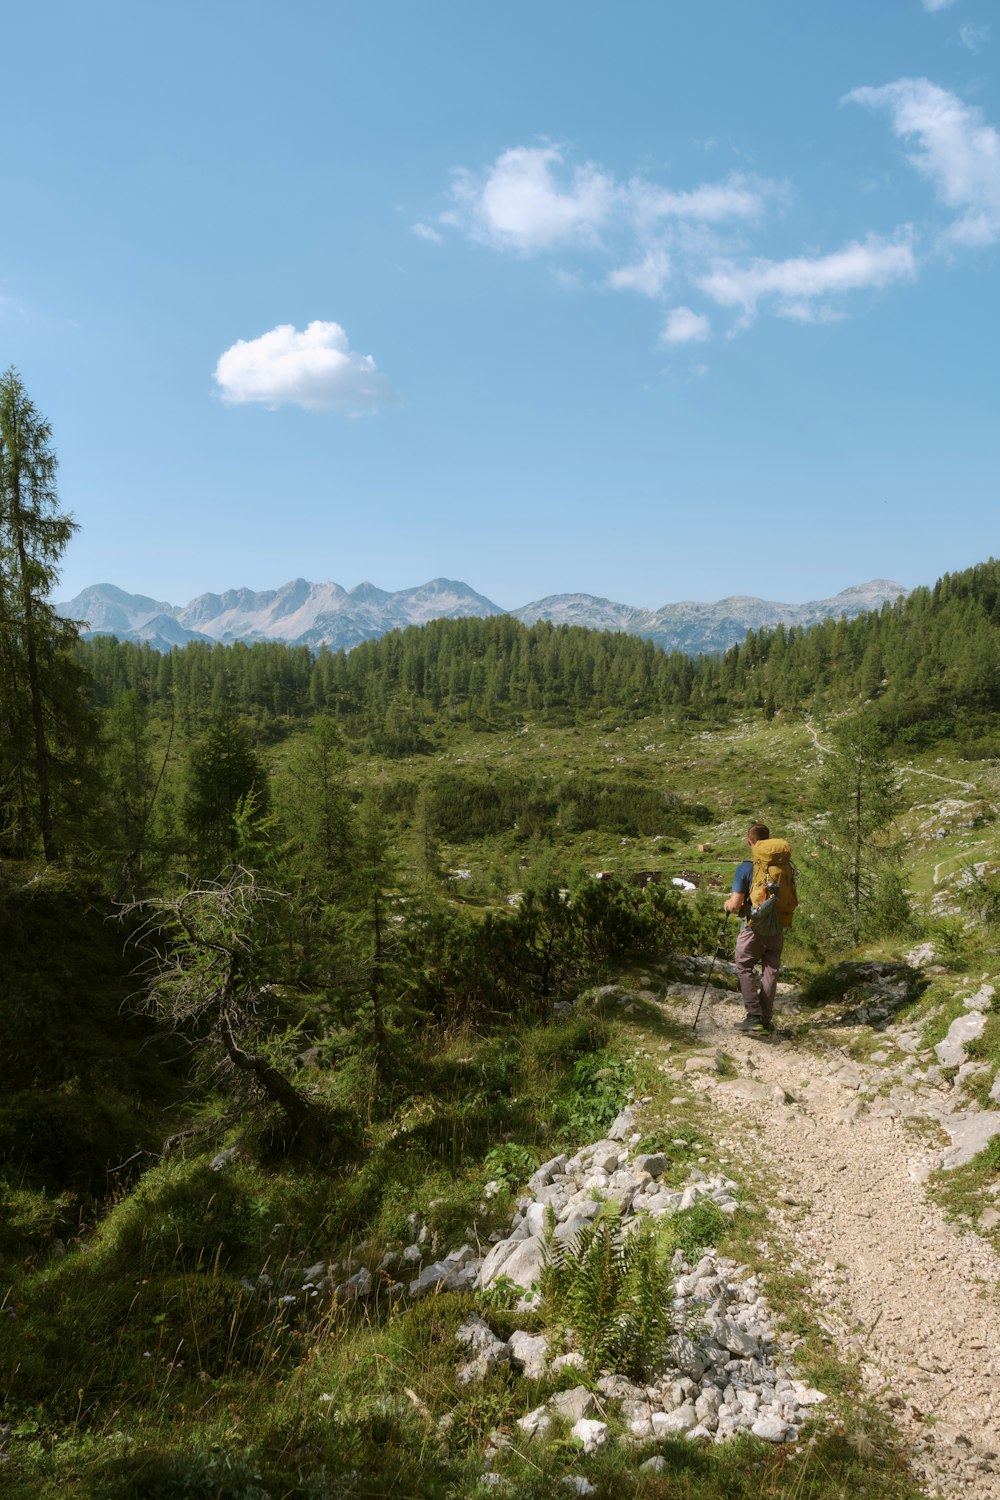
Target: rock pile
[
  {"x": 723, "y": 1378},
  {"x": 723, "y": 1372}
]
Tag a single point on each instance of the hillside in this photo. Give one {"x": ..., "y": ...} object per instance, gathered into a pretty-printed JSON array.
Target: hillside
[{"x": 370, "y": 1014}]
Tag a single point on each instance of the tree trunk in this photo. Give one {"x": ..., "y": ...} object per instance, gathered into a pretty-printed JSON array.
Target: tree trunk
[
  {"x": 274, "y": 1083},
  {"x": 34, "y": 684}
]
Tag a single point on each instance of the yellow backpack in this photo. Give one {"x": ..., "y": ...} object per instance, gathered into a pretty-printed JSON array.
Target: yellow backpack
[{"x": 773, "y": 876}]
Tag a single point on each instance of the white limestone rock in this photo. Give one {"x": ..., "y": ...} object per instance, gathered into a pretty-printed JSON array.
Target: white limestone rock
[
  {"x": 964, "y": 1029},
  {"x": 594, "y": 1435},
  {"x": 529, "y": 1353},
  {"x": 673, "y": 1423},
  {"x": 770, "y": 1428},
  {"x": 574, "y": 1405},
  {"x": 537, "y": 1423}
]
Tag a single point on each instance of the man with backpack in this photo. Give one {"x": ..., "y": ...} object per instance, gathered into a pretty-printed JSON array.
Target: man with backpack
[{"x": 764, "y": 891}]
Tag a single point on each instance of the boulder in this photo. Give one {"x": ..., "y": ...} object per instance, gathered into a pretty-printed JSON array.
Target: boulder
[
  {"x": 970, "y": 1134},
  {"x": 494, "y": 1263},
  {"x": 964, "y": 1029},
  {"x": 874, "y": 990}
]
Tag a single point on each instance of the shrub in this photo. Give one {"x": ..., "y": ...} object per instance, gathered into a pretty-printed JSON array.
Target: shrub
[{"x": 698, "y": 1228}]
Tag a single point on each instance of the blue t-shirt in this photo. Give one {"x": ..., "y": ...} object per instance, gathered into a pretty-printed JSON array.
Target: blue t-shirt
[{"x": 742, "y": 881}]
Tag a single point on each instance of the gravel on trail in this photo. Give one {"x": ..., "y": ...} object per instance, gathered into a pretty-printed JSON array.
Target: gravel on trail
[{"x": 914, "y": 1297}]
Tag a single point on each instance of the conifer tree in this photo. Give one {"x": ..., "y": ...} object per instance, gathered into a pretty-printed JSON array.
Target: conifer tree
[
  {"x": 227, "y": 784},
  {"x": 859, "y": 789},
  {"x": 46, "y": 726}
]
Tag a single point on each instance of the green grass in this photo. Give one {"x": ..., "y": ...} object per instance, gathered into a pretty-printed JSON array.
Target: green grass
[{"x": 139, "y": 1366}]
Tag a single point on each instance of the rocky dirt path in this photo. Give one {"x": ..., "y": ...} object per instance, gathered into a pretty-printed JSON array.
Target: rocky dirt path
[{"x": 915, "y": 1298}]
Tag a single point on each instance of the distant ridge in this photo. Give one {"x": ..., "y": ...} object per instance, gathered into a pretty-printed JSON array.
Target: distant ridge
[{"x": 325, "y": 614}]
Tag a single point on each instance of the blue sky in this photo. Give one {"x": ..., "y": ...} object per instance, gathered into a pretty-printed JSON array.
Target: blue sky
[{"x": 654, "y": 301}]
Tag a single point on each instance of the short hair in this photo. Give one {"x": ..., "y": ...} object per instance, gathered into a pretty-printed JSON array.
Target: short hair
[{"x": 757, "y": 832}]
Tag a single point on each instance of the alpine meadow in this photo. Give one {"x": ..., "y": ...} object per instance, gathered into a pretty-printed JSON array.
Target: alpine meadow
[{"x": 357, "y": 1137}]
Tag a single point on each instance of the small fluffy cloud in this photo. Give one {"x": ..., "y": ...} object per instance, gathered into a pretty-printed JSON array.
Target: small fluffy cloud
[
  {"x": 954, "y": 149},
  {"x": 522, "y": 204},
  {"x": 795, "y": 285},
  {"x": 316, "y": 369},
  {"x": 685, "y": 327}
]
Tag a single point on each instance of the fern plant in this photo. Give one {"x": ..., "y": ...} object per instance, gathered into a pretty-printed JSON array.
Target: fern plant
[{"x": 610, "y": 1290}]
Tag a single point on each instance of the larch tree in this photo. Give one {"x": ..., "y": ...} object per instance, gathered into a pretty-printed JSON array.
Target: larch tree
[
  {"x": 859, "y": 789},
  {"x": 41, "y": 687}
]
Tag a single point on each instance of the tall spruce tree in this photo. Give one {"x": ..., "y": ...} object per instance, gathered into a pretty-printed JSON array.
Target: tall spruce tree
[
  {"x": 45, "y": 724},
  {"x": 227, "y": 789}
]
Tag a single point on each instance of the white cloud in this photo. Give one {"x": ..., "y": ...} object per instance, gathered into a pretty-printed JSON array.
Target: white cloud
[
  {"x": 316, "y": 369},
  {"x": 933, "y": 5},
  {"x": 651, "y": 237},
  {"x": 428, "y": 232},
  {"x": 955, "y": 149},
  {"x": 739, "y": 198},
  {"x": 522, "y": 205},
  {"x": 794, "y": 285},
  {"x": 685, "y": 327},
  {"x": 532, "y": 200},
  {"x": 646, "y": 276},
  {"x": 973, "y": 37}
]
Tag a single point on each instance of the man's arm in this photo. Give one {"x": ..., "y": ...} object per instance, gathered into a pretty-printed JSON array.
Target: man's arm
[{"x": 741, "y": 888}]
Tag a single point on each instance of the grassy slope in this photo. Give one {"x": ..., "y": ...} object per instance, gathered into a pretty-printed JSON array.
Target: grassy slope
[{"x": 102, "y": 1403}]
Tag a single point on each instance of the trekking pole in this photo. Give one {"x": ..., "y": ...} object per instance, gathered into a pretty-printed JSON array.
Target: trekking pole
[{"x": 718, "y": 945}]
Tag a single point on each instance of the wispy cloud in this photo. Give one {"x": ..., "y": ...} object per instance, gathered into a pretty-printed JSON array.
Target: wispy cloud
[
  {"x": 795, "y": 287},
  {"x": 647, "y": 276},
  {"x": 315, "y": 369},
  {"x": 955, "y": 149},
  {"x": 660, "y": 239},
  {"x": 933, "y": 5},
  {"x": 531, "y": 199},
  {"x": 428, "y": 232},
  {"x": 685, "y": 327},
  {"x": 974, "y": 37}
]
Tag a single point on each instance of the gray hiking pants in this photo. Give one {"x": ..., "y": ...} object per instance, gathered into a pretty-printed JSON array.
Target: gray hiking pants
[{"x": 751, "y": 950}]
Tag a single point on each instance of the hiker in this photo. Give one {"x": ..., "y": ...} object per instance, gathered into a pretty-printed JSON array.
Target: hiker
[{"x": 764, "y": 891}]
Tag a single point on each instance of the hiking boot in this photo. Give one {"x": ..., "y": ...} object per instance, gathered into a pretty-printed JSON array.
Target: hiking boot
[{"x": 753, "y": 1026}]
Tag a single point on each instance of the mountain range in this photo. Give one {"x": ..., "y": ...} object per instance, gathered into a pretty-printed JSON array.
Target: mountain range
[{"x": 325, "y": 614}]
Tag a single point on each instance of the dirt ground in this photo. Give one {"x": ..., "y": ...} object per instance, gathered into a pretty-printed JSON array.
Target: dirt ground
[{"x": 916, "y": 1298}]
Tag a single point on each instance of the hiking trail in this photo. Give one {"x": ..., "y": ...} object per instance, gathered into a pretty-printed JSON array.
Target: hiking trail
[{"x": 911, "y": 1295}]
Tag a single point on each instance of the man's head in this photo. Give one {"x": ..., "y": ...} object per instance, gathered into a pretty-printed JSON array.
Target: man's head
[{"x": 756, "y": 832}]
